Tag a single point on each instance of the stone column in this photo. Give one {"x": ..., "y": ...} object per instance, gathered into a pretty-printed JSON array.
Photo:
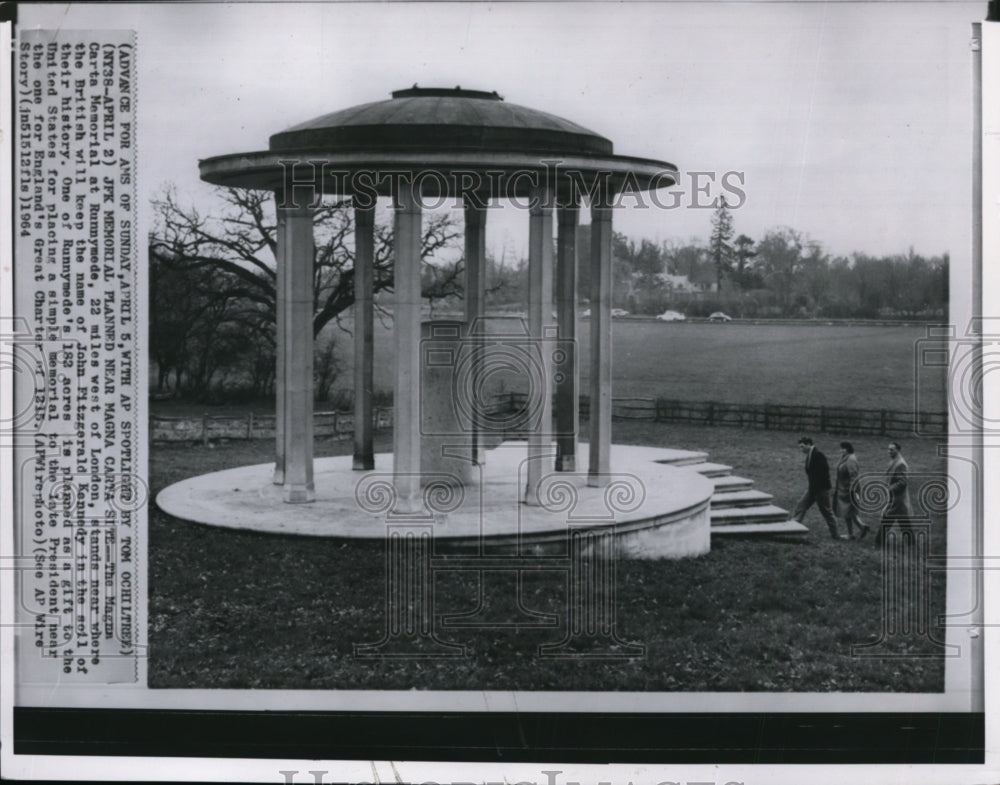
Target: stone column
[
  {"x": 279, "y": 348},
  {"x": 406, "y": 343},
  {"x": 600, "y": 339},
  {"x": 539, "y": 326},
  {"x": 475, "y": 294},
  {"x": 295, "y": 329},
  {"x": 364, "y": 261},
  {"x": 567, "y": 381}
]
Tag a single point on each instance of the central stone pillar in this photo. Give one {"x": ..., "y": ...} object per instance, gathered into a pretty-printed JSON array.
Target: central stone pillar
[
  {"x": 406, "y": 343},
  {"x": 295, "y": 252},
  {"x": 540, "y": 457},
  {"x": 445, "y": 436},
  {"x": 600, "y": 338}
]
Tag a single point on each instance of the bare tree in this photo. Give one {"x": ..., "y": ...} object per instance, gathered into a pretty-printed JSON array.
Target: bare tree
[
  {"x": 241, "y": 240},
  {"x": 214, "y": 286}
]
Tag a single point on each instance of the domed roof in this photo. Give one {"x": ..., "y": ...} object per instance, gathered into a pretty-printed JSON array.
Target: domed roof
[{"x": 441, "y": 119}]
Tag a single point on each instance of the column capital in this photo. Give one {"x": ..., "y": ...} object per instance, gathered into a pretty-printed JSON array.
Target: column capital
[
  {"x": 477, "y": 201},
  {"x": 364, "y": 219},
  {"x": 568, "y": 214},
  {"x": 542, "y": 199},
  {"x": 601, "y": 195},
  {"x": 295, "y": 210},
  {"x": 601, "y": 212},
  {"x": 298, "y": 198},
  {"x": 406, "y": 195}
]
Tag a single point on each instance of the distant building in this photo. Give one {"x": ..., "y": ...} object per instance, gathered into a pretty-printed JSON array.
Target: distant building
[{"x": 681, "y": 284}]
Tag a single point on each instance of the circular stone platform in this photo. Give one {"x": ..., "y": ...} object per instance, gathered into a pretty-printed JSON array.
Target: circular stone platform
[{"x": 656, "y": 510}]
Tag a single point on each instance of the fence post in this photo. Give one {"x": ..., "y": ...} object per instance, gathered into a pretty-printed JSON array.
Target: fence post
[
  {"x": 767, "y": 417},
  {"x": 250, "y": 426},
  {"x": 711, "y": 412},
  {"x": 204, "y": 430},
  {"x": 822, "y": 419},
  {"x": 882, "y": 423}
]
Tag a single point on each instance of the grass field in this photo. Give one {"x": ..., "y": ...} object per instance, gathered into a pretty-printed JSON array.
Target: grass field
[
  {"x": 238, "y": 609},
  {"x": 860, "y": 367},
  {"x": 813, "y": 364}
]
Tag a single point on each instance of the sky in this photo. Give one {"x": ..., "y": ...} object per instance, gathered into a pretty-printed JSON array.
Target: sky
[{"x": 848, "y": 121}]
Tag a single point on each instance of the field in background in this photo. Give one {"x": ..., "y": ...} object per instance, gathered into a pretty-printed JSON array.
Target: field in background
[
  {"x": 868, "y": 367},
  {"x": 852, "y": 366}
]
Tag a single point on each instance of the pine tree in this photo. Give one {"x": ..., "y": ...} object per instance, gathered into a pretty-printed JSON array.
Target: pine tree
[{"x": 721, "y": 246}]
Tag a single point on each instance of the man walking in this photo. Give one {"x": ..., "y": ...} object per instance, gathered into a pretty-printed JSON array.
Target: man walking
[
  {"x": 898, "y": 511},
  {"x": 818, "y": 493}
]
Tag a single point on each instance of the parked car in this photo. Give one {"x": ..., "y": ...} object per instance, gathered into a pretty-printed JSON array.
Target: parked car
[
  {"x": 617, "y": 313},
  {"x": 671, "y": 316},
  {"x": 719, "y": 316}
]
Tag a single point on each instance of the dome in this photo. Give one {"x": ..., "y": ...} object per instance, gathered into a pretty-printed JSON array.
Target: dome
[{"x": 422, "y": 119}]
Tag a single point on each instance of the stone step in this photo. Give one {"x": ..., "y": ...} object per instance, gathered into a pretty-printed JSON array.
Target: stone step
[
  {"x": 681, "y": 457},
  {"x": 783, "y": 527},
  {"x": 708, "y": 469},
  {"x": 731, "y": 483},
  {"x": 751, "y": 498},
  {"x": 767, "y": 513}
]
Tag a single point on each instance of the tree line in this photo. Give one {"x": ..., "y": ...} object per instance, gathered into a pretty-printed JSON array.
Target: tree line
[{"x": 784, "y": 274}]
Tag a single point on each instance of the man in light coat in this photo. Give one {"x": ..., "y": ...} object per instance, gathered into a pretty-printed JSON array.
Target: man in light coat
[
  {"x": 898, "y": 511},
  {"x": 844, "y": 491}
]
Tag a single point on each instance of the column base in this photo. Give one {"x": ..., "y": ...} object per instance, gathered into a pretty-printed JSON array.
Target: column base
[
  {"x": 566, "y": 463},
  {"x": 363, "y": 463},
  {"x": 298, "y": 494},
  {"x": 279, "y": 476}
]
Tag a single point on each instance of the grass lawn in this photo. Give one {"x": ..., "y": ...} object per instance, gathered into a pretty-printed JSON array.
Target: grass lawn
[
  {"x": 238, "y": 609},
  {"x": 809, "y": 364},
  {"x": 868, "y": 367}
]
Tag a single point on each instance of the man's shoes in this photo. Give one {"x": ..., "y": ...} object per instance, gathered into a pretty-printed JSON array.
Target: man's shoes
[{"x": 865, "y": 528}]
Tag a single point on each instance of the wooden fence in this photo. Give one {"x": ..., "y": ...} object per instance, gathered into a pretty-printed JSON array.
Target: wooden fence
[
  {"x": 769, "y": 416},
  {"x": 330, "y": 425}
]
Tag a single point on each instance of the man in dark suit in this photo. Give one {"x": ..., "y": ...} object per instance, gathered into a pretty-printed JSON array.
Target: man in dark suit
[{"x": 818, "y": 493}]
